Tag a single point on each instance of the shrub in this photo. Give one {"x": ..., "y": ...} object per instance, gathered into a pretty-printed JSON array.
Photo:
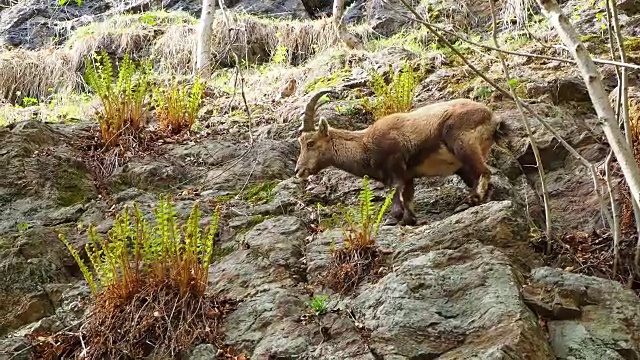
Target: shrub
[
  {"x": 123, "y": 112},
  {"x": 397, "y": 96},
  {"x": 177, "y": 105},
  {"x": 359, "y": 256},
  {"x": 148, "y": 284}
]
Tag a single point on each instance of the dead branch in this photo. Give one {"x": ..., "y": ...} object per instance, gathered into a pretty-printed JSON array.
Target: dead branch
[
  {"x": 621, "y": 87},
  {"x": 350, "y": 40},
  {"x": 599, "y": 98},
  {"x": 524, "y": 54},
  {"x": 622, "y": 100},
  {"x": 614, "y": 213},
  {"x": 527, "y": 125}
]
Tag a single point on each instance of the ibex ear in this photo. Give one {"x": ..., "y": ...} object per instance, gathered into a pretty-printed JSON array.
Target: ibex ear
[{"x": 323, "y": 127}]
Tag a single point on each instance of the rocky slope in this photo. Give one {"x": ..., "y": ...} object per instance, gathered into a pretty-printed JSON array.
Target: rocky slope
[{"x": 457, "y": 286}]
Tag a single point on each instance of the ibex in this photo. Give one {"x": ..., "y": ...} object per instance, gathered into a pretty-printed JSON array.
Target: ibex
[{"x": 441, "y": 139}]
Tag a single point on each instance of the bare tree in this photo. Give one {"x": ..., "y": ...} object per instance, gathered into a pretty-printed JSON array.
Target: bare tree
[
  {"x": 527, "y": 125},
  {"x": 599, "y": 98},
  {"x": 205, "y": 32},
  {"x": 347, "y": 38}
]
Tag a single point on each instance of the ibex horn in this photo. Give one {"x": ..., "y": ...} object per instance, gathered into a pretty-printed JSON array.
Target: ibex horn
[{"x": 310, "y": 110}]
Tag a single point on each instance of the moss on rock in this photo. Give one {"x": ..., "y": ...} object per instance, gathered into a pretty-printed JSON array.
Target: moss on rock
[
  {"x": 73, "y": 184},
  {"x": 29, "y": 260}
]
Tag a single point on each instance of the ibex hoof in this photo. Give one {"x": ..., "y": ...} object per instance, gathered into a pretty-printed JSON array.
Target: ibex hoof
[
  {"x": 469, "y": 201},
  {"x": 408, "y": 221},
  {"x": 473, "y": 199},
  {"x": 391, "y": 222}
]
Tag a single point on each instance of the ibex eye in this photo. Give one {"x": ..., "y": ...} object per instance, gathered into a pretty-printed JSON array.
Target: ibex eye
[{"x": 310, "y": 143}]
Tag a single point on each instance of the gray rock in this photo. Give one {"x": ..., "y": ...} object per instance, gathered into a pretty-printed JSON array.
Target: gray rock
[
  {"x": 498, "y": 224},
  {"x": 43, "y": 181},
  {"x": 427, "y": 306},
  {"x": 560, "y": 90},
  {"x": 149, "y": 174},
  {"x": 274, "y": 8},
  {"x": 203, "y": 352},
  {"x": 268, "y": 258},
  {"x": 28, "y": 262},
  {"x": 33, "y": 24},
  {"x": 268, "y": 317},
  {"x": 609, "y": 321},
  {"x": 230, "y": 166},
  {"x": 15, "y": 348},
  {"x": 629, "y": 7},
  {"x": 386, "y": 17},
  {"x": 411, "y": 312}
]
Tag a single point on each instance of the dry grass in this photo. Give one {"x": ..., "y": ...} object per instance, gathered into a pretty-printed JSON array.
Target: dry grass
[
  {"x": 353, "y": 265},
  {"x": 253, "y": 39},
  {"x": 35, "y": 74},
  {"x": 58, "y": 107},
  {"x": 518, "y": 11},
  {"x": 168, "y": 40},
  {"x": 155, "y": 322},
  {"x": 120, "y": 34},
  {"x": 172, "y": 52}
]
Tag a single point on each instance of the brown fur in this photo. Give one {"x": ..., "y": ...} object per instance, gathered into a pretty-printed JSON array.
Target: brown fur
[{"x": 442, "y": 139}]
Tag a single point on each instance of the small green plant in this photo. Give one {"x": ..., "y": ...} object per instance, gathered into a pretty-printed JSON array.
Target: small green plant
[
  {"x": 318, "y": 304},
  {"x": 260, "y": 193},
  {"x": 123, "y": 98},
  {"x": 349, "y": 109},
  {"x": 177, "y": 105},
  {"x": 358, "y": 256},
  {"x": 149, "y": 18},
  {"x": 279, "y": 55},
  {"x": 397, "y": 96},
  {"x": 328, "y": 81},
  {"x": 22, "y": 227},
  {"x": 64, "y": 2},
  {"x": 29, "y": 101},
  {"x": 361, "y": 226},
  {"x": 144, "y": 274},
  {"x": 483, "y": 92}
]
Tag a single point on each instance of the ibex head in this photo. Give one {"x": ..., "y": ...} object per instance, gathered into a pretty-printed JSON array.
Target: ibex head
[{"x": 315, "y": 146}]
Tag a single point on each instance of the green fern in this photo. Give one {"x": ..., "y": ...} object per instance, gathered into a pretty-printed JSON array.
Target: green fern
[
  {"x": 361, "y": 226},
  {"x": 123, "y": 98},
  {"x": 83, "y": 268},
  {"x": 397, "y": 96},
  {"x": 136, "y": 254},
  {"x": 177, "y": 106}
]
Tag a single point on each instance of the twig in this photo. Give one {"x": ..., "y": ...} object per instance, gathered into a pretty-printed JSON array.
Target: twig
[
  {"x": 527, "y": 125},
  {"x": 246, "y": 181},
  {"x": 84, "y": 348},
  {"x": 30, "y": 346},
  {"x": 517, "y": 53},
  {"x": 244, "y": 98},
  {"x": 614, "y": 213},
  {"x": 623, "y": 100},
  {"x": 599, "y": 98}
]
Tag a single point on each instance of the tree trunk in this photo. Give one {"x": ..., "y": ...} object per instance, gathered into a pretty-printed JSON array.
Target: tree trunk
[
  {"x": 205, "y": 32},
  {"x": 338, "y": 9},
  {"x": 350, "y": 40},
  {"x": 599, "y": 98}
]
